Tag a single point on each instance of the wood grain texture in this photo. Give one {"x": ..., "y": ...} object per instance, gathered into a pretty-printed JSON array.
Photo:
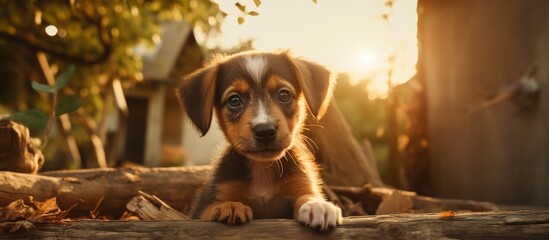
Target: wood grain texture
[
  {"x": 177, "y": 186},
  {"x": 487, "y": 225}
]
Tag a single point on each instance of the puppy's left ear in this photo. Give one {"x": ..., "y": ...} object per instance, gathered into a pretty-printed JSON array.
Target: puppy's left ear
[
  {"x": 196, "y": 94},
  {"x": 316, "y": 83}
]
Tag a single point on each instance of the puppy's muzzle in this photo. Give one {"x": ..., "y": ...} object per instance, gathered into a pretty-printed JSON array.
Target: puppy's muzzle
[{"x": 264, "y": 133}]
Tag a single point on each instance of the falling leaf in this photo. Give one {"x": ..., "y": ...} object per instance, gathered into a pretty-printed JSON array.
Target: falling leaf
[
  {"x": 446, "y": 214},
  {"x": 240, "y": 6},
  {"x": 253, "y": 13},
  {"x": 314, "y": 1},
  {"x": 257, "y": 3},
  {"x": 240, "y": 20}
]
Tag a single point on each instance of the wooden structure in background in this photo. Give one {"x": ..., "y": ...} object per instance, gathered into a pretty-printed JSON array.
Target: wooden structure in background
[
  {"x": 485, "y": 145},
  {"x": 155, "y": 128}
]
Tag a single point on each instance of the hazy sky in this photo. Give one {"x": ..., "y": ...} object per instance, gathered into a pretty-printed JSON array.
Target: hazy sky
[{"x": 348, "y": 36}]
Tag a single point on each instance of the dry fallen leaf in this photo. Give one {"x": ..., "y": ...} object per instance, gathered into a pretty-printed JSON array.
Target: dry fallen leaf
[
  {"x": 48, "y": 206},
  {"x": 17, "y": 214},
  {"x": 16, "y": 210},
  {"x": 447, "y": 214}
]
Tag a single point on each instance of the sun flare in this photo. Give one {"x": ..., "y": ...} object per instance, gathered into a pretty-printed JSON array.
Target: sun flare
[{"x": 358, "y": 43}]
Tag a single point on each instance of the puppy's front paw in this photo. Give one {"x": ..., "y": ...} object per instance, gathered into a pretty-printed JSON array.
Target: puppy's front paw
[
  {"x": 319, "y": 213},
  {"x": 228, "y": 212}
]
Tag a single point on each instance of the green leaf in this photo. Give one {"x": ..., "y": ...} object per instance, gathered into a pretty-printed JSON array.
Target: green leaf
[
  {"x": 65, "y": 77},
  {"x": 240, "y": 20},
  {"x": 240, "y": 6},
  {"x": 253, "y": 13},
  {"x": 68, "y": 104},
  {"x": 34, "y": 119},
  {"x": 257, "y": 3},
  {"x": 42, "y": 87}
]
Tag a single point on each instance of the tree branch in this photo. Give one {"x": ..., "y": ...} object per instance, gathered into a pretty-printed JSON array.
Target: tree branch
[{"x": 34, "y": 44}]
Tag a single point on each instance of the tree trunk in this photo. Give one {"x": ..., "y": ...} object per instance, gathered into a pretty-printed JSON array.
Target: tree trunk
[
  {"x": 342, "y": 159},
  {"x": 488, "y": 225}
]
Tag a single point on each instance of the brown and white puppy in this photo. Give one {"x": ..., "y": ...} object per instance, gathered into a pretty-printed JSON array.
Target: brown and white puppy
[{"x": 266, "y": 171}]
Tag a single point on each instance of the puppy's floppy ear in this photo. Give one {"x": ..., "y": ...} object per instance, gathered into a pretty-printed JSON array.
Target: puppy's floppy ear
[
  {"x": 196, "y": 94},
  {"x": 316, "y": 83}
]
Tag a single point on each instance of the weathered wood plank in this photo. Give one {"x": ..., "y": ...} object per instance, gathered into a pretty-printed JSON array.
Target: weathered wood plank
[{"x": 486, "y": 225}]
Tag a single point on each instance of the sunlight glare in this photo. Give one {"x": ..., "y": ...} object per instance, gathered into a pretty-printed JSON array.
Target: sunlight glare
[
  {"x": 377, "y": 88},
  {"x": 358, "y": 43},
  {"x": 365, "y": 58}
]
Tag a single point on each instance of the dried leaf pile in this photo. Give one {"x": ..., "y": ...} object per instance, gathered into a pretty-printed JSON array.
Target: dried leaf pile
[{"x": 19, "y": 214}]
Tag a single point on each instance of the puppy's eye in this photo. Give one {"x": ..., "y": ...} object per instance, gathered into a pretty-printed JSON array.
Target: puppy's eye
[
  {"x": 235, "y": 101},
  {"x": 284, "y": 96}
]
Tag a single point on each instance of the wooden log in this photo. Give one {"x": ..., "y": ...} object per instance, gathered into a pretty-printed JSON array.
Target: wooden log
[
  {"x": 17, "y": 154},
  {"x": 150, "y": 207},
  {"x": 341, "y": 157},
  {"x": 486, "y": 225},
  {"x": 176, "y": 186}
]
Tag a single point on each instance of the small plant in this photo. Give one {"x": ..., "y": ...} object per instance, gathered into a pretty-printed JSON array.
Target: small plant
[{"x": 36, "y": 119}]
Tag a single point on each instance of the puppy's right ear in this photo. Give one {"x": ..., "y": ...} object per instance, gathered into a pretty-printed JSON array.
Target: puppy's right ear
[{"x": 196, "y": 95}]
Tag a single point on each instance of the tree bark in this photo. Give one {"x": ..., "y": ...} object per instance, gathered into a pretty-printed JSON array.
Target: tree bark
[
  {"x": 488, "y": 225},
  {"x": 16, "y": 150},
  {"x": 342, "y": 159}
]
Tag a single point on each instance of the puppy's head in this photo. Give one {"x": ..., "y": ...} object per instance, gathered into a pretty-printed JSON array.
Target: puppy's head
[{"x": 260, "y": 100}]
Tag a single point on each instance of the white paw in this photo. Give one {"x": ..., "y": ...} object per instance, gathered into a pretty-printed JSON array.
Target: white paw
[{"x": 319, "y": 213}]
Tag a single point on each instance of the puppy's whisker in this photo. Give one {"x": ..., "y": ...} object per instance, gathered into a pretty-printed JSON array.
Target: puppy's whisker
[
  {"x": 279, "y": 163},
  {"x": 313, "y": 125},
  {"x": 294, "y": 161},
  {"x": 310, "y": 142}
]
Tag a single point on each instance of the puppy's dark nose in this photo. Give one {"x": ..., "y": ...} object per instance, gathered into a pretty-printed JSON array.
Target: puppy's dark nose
[{"x": 264, "y": 132}]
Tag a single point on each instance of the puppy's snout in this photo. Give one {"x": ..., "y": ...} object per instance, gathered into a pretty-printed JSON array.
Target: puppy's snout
[{"x": 264, "y": 132}]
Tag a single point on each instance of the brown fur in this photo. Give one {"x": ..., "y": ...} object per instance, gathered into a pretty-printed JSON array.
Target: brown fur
[{"x": 257, "y": 178}]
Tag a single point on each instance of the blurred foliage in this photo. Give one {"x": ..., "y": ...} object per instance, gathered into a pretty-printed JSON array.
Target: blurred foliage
[
  {"x": 368, "y": 118},
  {"x": 365, "y": 116},
  {"x": 99, "y": 36}
]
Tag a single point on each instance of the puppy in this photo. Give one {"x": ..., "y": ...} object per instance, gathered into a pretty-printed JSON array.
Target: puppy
[{"x": 261, "y": 101}]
